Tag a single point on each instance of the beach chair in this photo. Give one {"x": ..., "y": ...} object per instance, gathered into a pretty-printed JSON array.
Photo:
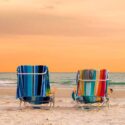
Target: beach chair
[
  {"x": 33, "y": 85},
  {"x": 92, "y": 87}
]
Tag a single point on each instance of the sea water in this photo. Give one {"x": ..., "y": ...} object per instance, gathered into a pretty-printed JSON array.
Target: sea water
[{"x": 56, "y": 78}]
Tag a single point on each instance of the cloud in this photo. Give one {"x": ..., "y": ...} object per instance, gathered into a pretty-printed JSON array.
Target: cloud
[
  {"x": 4, "y": 0},
  {"x": 49, "y": 7},
  {"x": 67, "y": 18}
]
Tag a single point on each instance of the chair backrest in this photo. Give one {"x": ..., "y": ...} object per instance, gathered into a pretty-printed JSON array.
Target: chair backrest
[
  {"x": 32, "y": 81},
  {"x": 92, "y": 83}
]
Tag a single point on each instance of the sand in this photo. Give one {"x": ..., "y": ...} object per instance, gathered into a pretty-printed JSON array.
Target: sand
[{"x": 65, "y": 112}]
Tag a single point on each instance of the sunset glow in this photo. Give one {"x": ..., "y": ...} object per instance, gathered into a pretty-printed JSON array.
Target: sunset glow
[{"x": 66, "y": 35}]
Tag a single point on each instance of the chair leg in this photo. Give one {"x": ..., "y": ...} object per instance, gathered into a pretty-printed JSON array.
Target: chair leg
[
  {"x": 108, "y": 102},
  {"x": 24, "y": 104},
  {"x": 20, "y": 103},
  {"x": 105, "y": 102},
  {"x": 50, "y": 104},
  {"x": 54, "y": 102},
  {"x": 21, "y": 100}
]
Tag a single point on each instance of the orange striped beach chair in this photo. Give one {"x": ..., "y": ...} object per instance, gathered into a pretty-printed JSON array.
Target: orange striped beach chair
[{"x": 92, "y": 87}]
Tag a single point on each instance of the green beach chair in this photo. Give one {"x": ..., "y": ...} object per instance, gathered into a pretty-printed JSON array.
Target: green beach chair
[
  {"x": 92, "y": 87},
  {"x": 33, "y": 85}
]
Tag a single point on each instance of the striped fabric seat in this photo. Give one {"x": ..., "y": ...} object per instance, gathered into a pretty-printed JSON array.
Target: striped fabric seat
[
  {"x": 33, "y": 83},
  {"x": 92, "y": 85}
]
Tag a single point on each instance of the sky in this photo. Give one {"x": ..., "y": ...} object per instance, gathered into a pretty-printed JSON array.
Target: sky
[{"x": 65, "y": 35}]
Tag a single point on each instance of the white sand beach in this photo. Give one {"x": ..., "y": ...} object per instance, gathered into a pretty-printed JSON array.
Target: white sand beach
[{"x": 65, "y": 112}]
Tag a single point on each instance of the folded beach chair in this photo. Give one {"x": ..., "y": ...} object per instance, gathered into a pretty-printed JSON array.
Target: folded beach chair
[
  {"x": 33, "y": 85},
  {"x": 92, "y": 87}
]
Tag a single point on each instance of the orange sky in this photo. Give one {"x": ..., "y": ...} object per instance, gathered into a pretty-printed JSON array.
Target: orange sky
[{"x": 66, "y": 35}]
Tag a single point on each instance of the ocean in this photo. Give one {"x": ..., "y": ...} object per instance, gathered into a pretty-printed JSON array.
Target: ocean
[{"x": 56, "y": 79}]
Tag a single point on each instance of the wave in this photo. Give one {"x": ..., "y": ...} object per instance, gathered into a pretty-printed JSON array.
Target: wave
[
  {"x": 7, "y": 82},
  {"x": 67, "y": 79}
]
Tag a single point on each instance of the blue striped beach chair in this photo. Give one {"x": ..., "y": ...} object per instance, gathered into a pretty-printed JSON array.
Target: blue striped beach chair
[{"x": 33, "y": 85}]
